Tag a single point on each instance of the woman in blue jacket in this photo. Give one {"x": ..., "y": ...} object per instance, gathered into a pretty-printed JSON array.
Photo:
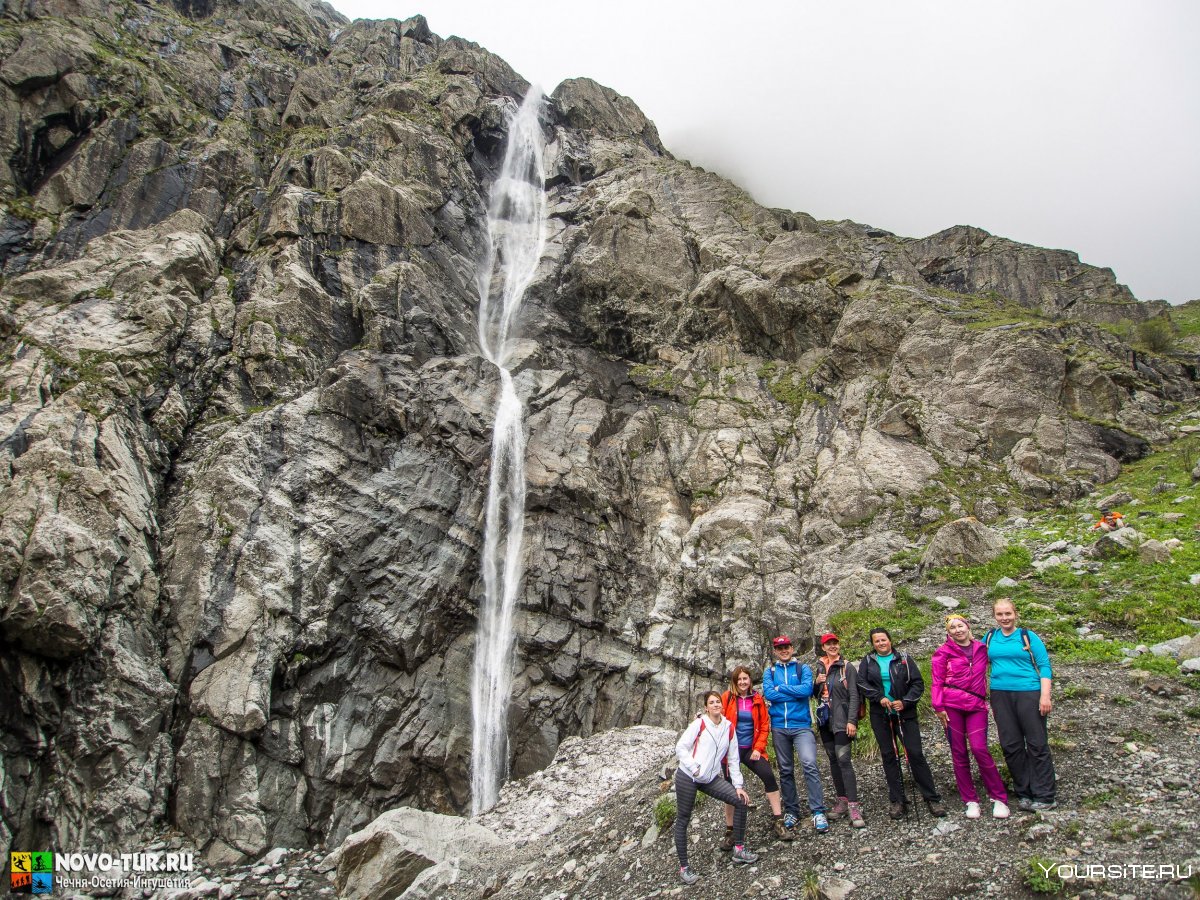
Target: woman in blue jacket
[
  {"x": 1020, "y": 696},
  {"x": 892, "y": 684}
]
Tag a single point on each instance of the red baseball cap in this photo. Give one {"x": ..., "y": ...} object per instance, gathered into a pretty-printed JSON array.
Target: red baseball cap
[
  {"x": 829, "y": 636},
  {"x": 782, "y": 641}
]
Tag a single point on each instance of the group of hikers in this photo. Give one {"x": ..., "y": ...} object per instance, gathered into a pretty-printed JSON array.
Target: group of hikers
[{"x": 886, "y": 687}]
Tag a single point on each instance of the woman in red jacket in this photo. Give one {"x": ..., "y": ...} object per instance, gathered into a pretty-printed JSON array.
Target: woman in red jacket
[{"x": 747, "y": 709}]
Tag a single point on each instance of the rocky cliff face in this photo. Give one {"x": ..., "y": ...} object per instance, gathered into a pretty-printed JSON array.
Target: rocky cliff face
[{"x": 246, "y": 423}]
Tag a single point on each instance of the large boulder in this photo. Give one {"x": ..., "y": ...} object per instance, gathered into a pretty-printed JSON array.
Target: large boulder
[
  {"x": 1111, "y": 544},
  {"x": 385, "y": 858},
  {"x": 863, "y": 589},
  {"x": 963, "y": 542},
  {"x": 1152, "y": 551}
]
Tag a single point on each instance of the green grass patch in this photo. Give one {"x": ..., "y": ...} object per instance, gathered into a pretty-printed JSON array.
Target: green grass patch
[
  {"x": 1041, "y": 876},
  {"x": 1075, "y": 691},
  {"x": 1009, "y": 564},
  {"x": 664, "y": 812},
  {"x": 1186, "y": 318},
  {"x": 1125, "y": 830},
  {"x": 789, "y": 386},
  {"x": 1100, "y": 799},
  {"x": 1159, "y": 665},
  {"x": 907, "y": 620}
]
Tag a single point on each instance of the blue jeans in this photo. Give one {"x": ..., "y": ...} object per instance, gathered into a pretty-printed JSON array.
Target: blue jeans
[{"x": 788, "y": 743}]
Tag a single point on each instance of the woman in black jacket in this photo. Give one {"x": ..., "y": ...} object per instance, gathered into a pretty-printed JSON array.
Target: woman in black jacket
[
  {"x": 836, "y": 684},
  {"x": 891, "y": 683}
]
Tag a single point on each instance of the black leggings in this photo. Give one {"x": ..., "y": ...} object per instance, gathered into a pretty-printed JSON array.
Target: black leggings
[
  {"x": 837, "y": 748},
  {"x": 685, "y": 799},
  {"x": 760, "y": 767}
]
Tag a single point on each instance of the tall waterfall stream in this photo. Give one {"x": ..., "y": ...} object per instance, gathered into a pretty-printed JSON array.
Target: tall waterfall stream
[{"x": 516, "y": 222}]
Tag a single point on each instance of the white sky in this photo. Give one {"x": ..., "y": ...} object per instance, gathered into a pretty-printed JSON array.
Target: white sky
[{"x": 1063, "y": 123}]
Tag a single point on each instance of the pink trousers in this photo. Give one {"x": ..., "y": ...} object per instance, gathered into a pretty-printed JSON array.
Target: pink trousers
[{"x": 972, "y": 727}]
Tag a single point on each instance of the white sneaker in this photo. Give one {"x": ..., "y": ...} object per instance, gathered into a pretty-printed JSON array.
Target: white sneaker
[
  {"x": 972, "y": 810},
  {"x": 999, "y": 809}
]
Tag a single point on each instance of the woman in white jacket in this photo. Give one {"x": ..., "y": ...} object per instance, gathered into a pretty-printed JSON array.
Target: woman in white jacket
[{"x": 703, "y": 746}]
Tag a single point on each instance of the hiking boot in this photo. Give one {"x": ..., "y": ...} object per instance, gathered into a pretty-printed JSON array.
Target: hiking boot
[
  {"x": 687, "y": 876},
  {"x": 743, "y": 857},
  {"x": 781, "y": 831},
  {"x": 1024, "y": 803},
  {"x": 839, "y": 808},
  {"x": 727, "y": 841},
  {"x": 898, "y": 810},
  {"x": 856, "y": 817},
  {"x": 789, "y": 821},
  {"x": 936, "y": 807},
  {"x": 1042, "y": 805},
  {"x": 820, "y": 823},
  {"x": 999, "y": 809},
  {"x": 972, "y": 810}
]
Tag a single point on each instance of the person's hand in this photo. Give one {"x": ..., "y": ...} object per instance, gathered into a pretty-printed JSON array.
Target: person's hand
[
  {"x": 1045, "y": 705},
  {"x": 820, "y": 679},
  {"x": 942, "y": 717},
  {"x": 897, "y": 705},
  {"x": 886, "y": 703},
  {"x": 743, "y": 796},
  {"x": 755, "y": 755},
  {"x": 851, "y": 729}
]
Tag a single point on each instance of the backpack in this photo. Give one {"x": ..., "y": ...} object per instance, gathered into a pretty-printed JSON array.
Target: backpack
[
  {"x": 823, "y": 708},
  {"x": 987, "y": 642}
]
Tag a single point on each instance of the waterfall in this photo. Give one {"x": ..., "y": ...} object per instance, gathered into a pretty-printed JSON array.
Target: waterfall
[{"x": 516, "y": 220}]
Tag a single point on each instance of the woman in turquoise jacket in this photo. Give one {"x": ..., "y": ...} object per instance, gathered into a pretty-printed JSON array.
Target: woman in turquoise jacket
[{"x": 1021, "y": 681}]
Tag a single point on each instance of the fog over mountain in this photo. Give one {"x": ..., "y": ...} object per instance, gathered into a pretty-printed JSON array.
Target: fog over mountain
[{"x": 1070, "y": 125}]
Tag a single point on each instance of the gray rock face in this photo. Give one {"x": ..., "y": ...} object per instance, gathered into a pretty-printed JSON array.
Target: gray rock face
[
  {"x": 1054, "y": 282},
  {"x": 863, "y": 589},
  {"x": 963, "y": 542},
  {"x": 246, "y": 428}
]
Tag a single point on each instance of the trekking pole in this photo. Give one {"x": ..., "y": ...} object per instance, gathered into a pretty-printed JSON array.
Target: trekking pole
[
  {"x": 898, "y": 749},
  {"x": 897, "y": 739}
]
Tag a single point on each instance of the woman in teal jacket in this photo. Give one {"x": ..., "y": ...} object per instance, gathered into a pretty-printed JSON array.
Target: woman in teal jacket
[{"x": 1021, "y": 683}]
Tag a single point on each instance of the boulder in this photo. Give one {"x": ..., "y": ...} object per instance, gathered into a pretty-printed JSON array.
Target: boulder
[
  {"x": 1154, "y": 552},
  {"x": 1119, "y": 498},
  {"x": 863, "y": 589},
  {"x": 1111, "y": 544},
  {"x": 389, "y": 855},
  {"x": 963, "y": 542},
  {"x": 1172, "y": 647},
  {"x": 1191, "y": 649}
]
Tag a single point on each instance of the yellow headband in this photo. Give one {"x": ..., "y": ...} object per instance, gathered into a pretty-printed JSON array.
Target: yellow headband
[{"x": 950, "y": 618}]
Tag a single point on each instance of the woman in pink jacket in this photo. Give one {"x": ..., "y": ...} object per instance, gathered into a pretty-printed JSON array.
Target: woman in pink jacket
[{"x": 959, "y": 697}]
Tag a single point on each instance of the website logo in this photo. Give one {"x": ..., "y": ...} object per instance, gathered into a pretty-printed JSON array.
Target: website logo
[{"x": 31, "y": 873}]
